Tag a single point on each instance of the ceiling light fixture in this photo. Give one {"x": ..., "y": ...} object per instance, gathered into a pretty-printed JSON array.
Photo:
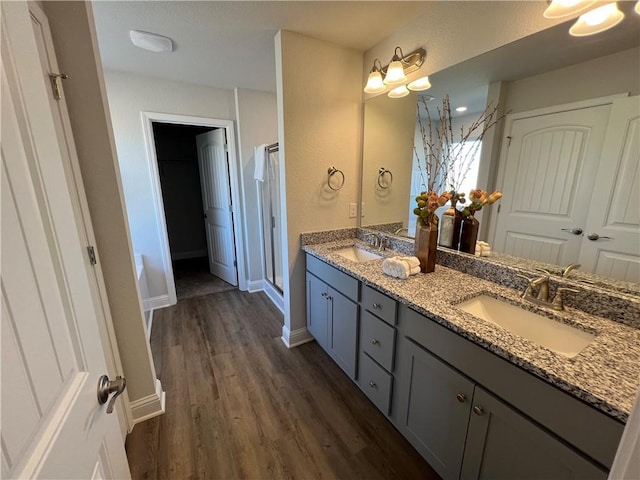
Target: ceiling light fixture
[
  {"x": 566, "y": 8},
  {"x": 597, "y": 20},
  {"x": 151, "y": 41},
  {"x": 461, "y": 109},
  {"x": 395, "y": 74}
]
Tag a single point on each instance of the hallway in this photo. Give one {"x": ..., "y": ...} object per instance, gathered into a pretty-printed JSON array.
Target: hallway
[{"x": 241, "y": 405}]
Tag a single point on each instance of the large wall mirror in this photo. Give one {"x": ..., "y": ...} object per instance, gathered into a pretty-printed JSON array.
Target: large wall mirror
[{"x": 531, "y": 78}]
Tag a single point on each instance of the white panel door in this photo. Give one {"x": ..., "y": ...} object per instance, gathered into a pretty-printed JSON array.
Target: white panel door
[
  {"x": 550, "y": 170},
  {"x": 216, "y": 199},
  {"x": 615, "y": 209},
  {"x": 52, "y": 356}
]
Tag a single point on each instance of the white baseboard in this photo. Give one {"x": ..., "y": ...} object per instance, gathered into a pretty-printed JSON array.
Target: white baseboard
[
  {"x": 296, "y": 337},
  {"x": 148, "y": 407},
  {"x": 275, "y": 296},
  {"x": 255, "y": 286},
  {"x": 155, "y": 303},
  {"x": 191, "y": 254}
]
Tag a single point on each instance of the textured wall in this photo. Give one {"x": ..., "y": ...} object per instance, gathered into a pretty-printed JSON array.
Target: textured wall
[
  {"x": 257, "y": 125},
  {"x": 320, "y": 124},
  {"x": 129, "y": 95}
]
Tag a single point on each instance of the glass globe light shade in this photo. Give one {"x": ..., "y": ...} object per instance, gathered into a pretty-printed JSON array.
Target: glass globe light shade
[{"x": 398, "y": 92}]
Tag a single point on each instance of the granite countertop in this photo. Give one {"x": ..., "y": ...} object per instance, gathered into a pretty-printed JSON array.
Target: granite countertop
[{"x": 606, "y": 374}]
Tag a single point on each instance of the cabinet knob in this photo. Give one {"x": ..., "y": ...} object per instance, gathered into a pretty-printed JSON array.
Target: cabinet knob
[
  {"x": 377, "y": 306},
  {"x": 329, "y": 298},
  {"x": 375, "y": 341},
  {"x": 324, "y": 294},
  {"x": 461, "y": 397},
  {"x": 478, "y": 410},
  {"x": 372, "y": 384}
]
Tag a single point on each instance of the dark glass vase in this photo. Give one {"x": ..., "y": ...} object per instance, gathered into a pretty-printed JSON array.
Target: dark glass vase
[
  {"x": 469, "y": 235},
  {"x": 426, "y": 244}
]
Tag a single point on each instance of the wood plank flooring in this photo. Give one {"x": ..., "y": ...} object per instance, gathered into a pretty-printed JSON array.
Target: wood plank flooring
[{"x": 241, "y": 405}]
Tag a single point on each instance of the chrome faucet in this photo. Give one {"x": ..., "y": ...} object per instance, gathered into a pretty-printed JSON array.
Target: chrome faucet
[
  {"x": 377, "y": 240},
  {"x": 542, "y": 296},
  {"x": 400, "y": 230}
]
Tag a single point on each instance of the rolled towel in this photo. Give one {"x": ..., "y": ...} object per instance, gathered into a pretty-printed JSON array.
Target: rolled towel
[
  {"x": 415, "y": 270},
  {"x": 404, "y": 270},
  {"x": 388, "y": 267},
  {"x": 412, "y": 261}
]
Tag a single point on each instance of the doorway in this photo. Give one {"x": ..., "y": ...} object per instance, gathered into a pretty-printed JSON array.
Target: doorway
[{"x": 195, "y": 181}]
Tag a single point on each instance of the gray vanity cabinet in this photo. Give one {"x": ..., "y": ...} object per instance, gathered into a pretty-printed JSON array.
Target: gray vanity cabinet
[
  {"x": 332, "y": 313},
  {"x": 433, "y": 407},
  {"x": 503, "y": 444}
]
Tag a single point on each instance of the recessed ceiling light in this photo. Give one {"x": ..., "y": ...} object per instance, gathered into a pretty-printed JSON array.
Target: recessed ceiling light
[
  {"x": 461, "y": 109},
  {"x": 151, "y": 41}
]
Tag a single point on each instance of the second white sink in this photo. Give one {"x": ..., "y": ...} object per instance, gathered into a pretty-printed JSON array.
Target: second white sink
[
  {"x": 557, "y": 337},
  {"x": 356, "y": 254}
]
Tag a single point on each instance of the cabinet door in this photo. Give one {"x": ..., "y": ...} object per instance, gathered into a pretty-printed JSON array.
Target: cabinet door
[
  {"x": 503, "y": 444},
  {"x": 317, "y": 309},
  {"x": 343, "y": 331},
  {"x": 433, "y": 408}
]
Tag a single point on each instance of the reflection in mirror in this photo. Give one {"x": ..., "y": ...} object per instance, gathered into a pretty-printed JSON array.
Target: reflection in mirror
[{"x": 545, "y": 70}]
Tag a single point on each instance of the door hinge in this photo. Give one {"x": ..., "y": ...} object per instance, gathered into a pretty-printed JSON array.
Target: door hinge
[
  {"x": 273, "y": 222},
  {"x": 56, "y": 86},
  {"x": 92, "y": 255},
  {"x": 509, "y": 138},
  {"x": 226, "y": 147},
  {"x": 499, "y": 205},
  {"x": 235, "y": 263},
  {"x": 230, "y": 208}
]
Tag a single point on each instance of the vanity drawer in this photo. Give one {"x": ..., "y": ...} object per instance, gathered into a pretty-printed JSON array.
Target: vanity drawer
[
  {"x": 375, "y": 383},
  {"x": 378, "y": 340},
  {"x": 379, "y": 304},
  {"x": 342, "y": 282}
]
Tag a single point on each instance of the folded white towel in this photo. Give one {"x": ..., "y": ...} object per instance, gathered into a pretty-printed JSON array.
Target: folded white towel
[
  {"x": 412, "y": 261},
  {"x": 415, "y": 270},
  {"x": 400, "y": 267},
  {"x": 403, "y": 269},
  {"x": 482, "y": 249},
  {"x": 260, "y": 157}
]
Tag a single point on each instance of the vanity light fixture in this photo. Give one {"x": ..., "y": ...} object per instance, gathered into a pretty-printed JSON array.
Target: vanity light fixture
[
  {"x": 395, "y": 74},
  {"x": 374, "y": 82},
  {"x": 399, "y": 92},
  {"x": 151, "y": 41},
  {"x": 566, "y": 8},
  {"x": 420, "y": 84},
  {"x": 637, "y": 7},
  {"x": 597, "y": 20}
]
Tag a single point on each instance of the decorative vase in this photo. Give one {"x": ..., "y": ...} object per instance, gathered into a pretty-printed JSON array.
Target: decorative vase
[
  {"x": 426, "y": 244},
  {"x": 469, "y": 235},
  {"x": 450, "y": 227}
]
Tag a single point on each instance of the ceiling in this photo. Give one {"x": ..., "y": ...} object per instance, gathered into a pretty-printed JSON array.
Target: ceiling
[{"x": 228, "y": 44}]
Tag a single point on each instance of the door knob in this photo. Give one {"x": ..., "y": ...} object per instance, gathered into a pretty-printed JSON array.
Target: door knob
[
  {"x": 575, "y": 231},
  {"x": 594, "y": 236},
  {"x": 106, "y": 387}
]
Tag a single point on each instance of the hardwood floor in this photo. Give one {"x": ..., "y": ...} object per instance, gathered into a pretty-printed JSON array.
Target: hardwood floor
[{"x": 241, "y": 405}]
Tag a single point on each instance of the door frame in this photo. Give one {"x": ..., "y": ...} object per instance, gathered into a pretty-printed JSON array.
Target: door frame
[
  {"x": 538, "y": 112},
  {"x": 158, "y": 204}
]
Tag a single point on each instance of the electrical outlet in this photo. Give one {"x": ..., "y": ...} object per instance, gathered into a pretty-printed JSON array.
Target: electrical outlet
[
  {"x": 362, "y": 209},
  {"x": 353, "y": 210}
]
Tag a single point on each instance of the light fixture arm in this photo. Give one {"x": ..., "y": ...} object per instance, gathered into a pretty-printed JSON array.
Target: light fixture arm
[{"x": 410, "y": 62}]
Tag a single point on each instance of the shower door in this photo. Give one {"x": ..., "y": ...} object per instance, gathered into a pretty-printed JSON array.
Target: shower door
[{"x": 271, "y": 219}]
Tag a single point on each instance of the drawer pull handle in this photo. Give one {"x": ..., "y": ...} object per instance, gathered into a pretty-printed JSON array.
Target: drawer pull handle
[
  {"x": 461, "y": 397},
  {"x": 478, "y": 410},
  {"x": 375, "y": 341},
  {"x": 372, "y": 384},
  {"x": 377, "y": 306}
]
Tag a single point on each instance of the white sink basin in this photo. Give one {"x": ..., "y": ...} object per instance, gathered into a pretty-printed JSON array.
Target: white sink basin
[
  {"x": 356, "y": 254},
  {"x": 557, "y": 337}
]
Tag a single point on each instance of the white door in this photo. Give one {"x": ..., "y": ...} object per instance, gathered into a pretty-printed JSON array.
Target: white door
[
  {"x": 549, "y": 173},
  {"x": 52, "y": 356},
  {"x": 216, "y": 199},
  {"x": 611, "y": 244}
]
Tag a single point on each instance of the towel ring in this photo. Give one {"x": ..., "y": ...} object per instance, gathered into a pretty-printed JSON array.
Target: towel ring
[
  {"x": 381, "y": 174},
  {"x": 332, "y": 171}
]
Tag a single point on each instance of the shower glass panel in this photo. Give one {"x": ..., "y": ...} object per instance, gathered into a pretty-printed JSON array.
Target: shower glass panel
[{"x": 271, "y": 218}]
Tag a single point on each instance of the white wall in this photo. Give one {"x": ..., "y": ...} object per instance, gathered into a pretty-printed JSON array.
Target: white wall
[
  {"x": 602, "y": 76},
  {"x": 257, "y": 124},
  {"x": 320, "y": 125},
  {"x": 129, "y": 95}
]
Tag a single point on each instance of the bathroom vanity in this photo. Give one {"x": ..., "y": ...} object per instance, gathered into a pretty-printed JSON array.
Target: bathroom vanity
[{"x": 476, "y": 400}]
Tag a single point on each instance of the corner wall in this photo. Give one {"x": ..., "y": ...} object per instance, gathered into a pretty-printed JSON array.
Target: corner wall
[
  {"x": 129, "y": 95},
  {"x": 320, "y": 125}
]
